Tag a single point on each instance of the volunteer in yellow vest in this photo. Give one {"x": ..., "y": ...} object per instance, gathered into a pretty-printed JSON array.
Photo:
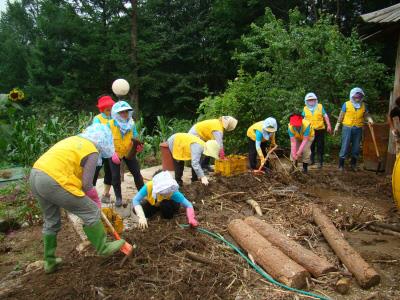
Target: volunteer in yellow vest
[
  {"x": 259, "y": 134},
  {"x": 301, "y": 136},
  {"x": 213, "y": 129},
  {"x": 62, "y": 178},
  {"x": 395, "y": 113},
  {"x": 315, "y": 113},
  {"x": 123, "y": 129},
  {"x": 185, "y": 146},
  {"x": 104, "y": 104},
  {"x": 161, "y": 194},
  {"x": 352, "y": 115}
]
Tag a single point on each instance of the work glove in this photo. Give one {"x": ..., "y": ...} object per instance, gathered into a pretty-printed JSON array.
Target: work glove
[
  {"x": 221, "y": 153},
  {"x": 139, "y": 148},
  {"x": 115, "y": 159},
  {"x": 191, "y": 217},
  {"x": 92, "y": 194},
  {"x": 142, "y": 218},
  {"x": 337, "y": 127},
  {"x": 370, "y": 121},
  {"x": 204, "y": 180},
  {"x": 329, "y": 129}
]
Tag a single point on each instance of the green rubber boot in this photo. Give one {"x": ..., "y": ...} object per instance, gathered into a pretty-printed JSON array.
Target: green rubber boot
[
  {"x": 51, "y": 262},
  {"x": 97, "y": 236}
]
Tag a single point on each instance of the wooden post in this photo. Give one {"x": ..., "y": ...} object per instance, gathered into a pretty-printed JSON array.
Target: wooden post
[
  {"x": 366, "y": 276},
  {"x": 277, "y": 264},
  {"x": 308, "y": 259}
]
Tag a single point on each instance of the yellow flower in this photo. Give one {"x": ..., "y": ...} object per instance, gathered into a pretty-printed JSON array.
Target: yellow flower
[{"x": 16, "y": 95}]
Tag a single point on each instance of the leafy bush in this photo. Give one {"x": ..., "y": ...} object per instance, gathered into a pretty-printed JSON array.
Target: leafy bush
[
  {"x": 280, "y": 64},
  {"x": 17, "y": 203},
  {"x": 33, "y": 135}
]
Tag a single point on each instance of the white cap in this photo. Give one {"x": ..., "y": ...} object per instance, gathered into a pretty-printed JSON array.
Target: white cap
[
  {"x": 120, "y": 87},
  {"x": 310, "y": 96}
]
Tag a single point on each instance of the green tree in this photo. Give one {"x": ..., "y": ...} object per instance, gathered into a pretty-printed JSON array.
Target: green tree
[{"x": 280, "y": 63}]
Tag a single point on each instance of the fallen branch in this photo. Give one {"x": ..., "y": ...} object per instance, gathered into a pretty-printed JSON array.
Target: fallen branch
[
  {"x": 199, "y": 258},
  {"x": 254, "y": 204},
  {"x": 366, "y": 275},
  {"x": 383, "y": 230},
  {"x": 229, "y": 193},
  {"x": 394, "y": 227}
]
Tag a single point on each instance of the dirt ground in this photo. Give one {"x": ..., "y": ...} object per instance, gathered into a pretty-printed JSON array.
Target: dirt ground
[{"x": 162, "y": 269}]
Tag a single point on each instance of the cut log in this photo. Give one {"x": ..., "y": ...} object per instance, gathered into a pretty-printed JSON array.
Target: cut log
[
  {"x": 316, "y": 265},
  {"x": 277, "y": 264},
  {"x": 366, "y": 275},
  {"x": 342, "y": 286}
]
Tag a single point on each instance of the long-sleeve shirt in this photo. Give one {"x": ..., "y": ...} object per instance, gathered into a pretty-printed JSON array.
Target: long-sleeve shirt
[
  {"x": 88, "y": 163},
  {"x": 260, "y": 137},
  {"x": 177, "y": 197},
  {"x": 196, "y": 150}
]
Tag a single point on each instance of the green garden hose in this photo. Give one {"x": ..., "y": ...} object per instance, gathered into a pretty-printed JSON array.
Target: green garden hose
[{"x": 257, "y": 268}]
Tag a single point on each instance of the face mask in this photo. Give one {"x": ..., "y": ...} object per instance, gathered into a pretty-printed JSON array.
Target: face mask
[{"x": 311, "y": 102}]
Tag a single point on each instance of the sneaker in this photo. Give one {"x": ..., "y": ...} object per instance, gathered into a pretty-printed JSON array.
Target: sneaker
[
  {"x": 320, "y": 166},
  {"x": 341, "y": 168},
  {"x": 118, "y": 202},
  {"x": 105, "y": 199}
]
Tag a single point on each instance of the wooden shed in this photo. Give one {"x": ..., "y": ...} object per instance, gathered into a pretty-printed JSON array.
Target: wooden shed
[{"x": 388, "y": 20}]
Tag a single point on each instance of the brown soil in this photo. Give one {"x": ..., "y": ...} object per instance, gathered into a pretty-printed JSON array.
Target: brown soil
[{"x": 162, "y": 269}]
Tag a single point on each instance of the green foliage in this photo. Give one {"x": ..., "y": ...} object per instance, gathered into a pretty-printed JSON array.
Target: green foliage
[
  {"x": 33, "y": 135},
  {"x": 280, "y": 64},
  {"x": 17, "y": 203}
]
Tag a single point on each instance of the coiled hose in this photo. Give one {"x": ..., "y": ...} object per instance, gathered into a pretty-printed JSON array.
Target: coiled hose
[{"x": 255, "y": 267}]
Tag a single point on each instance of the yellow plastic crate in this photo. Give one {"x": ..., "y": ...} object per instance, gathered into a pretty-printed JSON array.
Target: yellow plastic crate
[{"x": 232, "y": 165}]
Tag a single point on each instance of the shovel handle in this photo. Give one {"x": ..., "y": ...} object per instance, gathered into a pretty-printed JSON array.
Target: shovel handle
[
  {"x": 114, "y": 232},
  {"x": 371, "y": 129}
]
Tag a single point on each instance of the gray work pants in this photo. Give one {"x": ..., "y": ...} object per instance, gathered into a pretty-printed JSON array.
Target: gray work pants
[{"x": 51, "y": 197}]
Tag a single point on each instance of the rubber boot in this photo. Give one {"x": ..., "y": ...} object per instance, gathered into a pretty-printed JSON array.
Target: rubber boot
[
  {"x": 353, "y": 164},
  {"x": 97, "y": 236},
  {"x": 305, "y": 168},
  {"x": 341, "y": 164},
  {"x": 51, "y": 262}
]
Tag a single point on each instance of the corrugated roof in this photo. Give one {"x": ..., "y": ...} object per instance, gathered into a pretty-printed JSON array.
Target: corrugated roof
[{"x": 389, "y": 14}]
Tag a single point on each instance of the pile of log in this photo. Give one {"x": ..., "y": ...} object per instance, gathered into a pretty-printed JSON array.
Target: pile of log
[{"x": 290, "y": 263}]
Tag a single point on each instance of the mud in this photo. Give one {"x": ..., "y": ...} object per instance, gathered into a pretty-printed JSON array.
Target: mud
[{"x": 161, "y": 268}]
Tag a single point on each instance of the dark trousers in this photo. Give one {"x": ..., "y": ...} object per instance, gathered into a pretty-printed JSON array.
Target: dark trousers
[
  {"x": 179, "y": 166},
  {"x": 167, "y": 209},
  {"x": 205, "y": 162},
  {"x": 107, "y": 172},
  {"x": 319, "y": 143},
  {"x": 133, "y": 167},
  {"x": 253, "y": 153}
]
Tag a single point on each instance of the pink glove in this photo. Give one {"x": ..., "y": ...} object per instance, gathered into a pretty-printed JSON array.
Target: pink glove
[
  {"x": 191, "y": 217},
  {"x": 92, "y": 194},
  {"x": 293, "y": 146},
  {"x": 115, "y": 159},
  {"x": 139, "y": 148},
  {"x": 302, "y": 145},
  {"x": 221, "y": 153}
]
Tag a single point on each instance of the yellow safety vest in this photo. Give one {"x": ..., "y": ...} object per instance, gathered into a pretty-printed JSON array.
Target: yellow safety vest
[
  {"x": 353, "y": 117},
  {"x": 304, "y": 126},
  {"x": 122, "y": 144},
  {"x": 205, "y": 128},
  {"x": 62, "y": 162},
  {"x": 150, "y": 199},
  {"x": 181, "y": 146},
  {"x": 317, "y": 118},
  {"x": 102, "y": 119},
  {"x": 251, "y": 132}
]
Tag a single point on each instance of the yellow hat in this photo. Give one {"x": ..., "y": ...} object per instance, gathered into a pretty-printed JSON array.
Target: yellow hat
[
  {"x": 229, "y": 123},
  {"x": 211, "y": 148}
]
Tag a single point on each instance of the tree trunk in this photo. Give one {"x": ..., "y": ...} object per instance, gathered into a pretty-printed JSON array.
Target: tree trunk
[
  {"x": 277, "y": 264},
  {"x": 134, "y": 84},
  {"x": 316, "y": 265},
  {"x": 366, "y": 276}
]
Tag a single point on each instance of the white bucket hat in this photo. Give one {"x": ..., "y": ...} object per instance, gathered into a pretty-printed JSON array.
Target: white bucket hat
[
  {"x": 211, "y": 148},
  {"x": 229, "y": 123}
]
